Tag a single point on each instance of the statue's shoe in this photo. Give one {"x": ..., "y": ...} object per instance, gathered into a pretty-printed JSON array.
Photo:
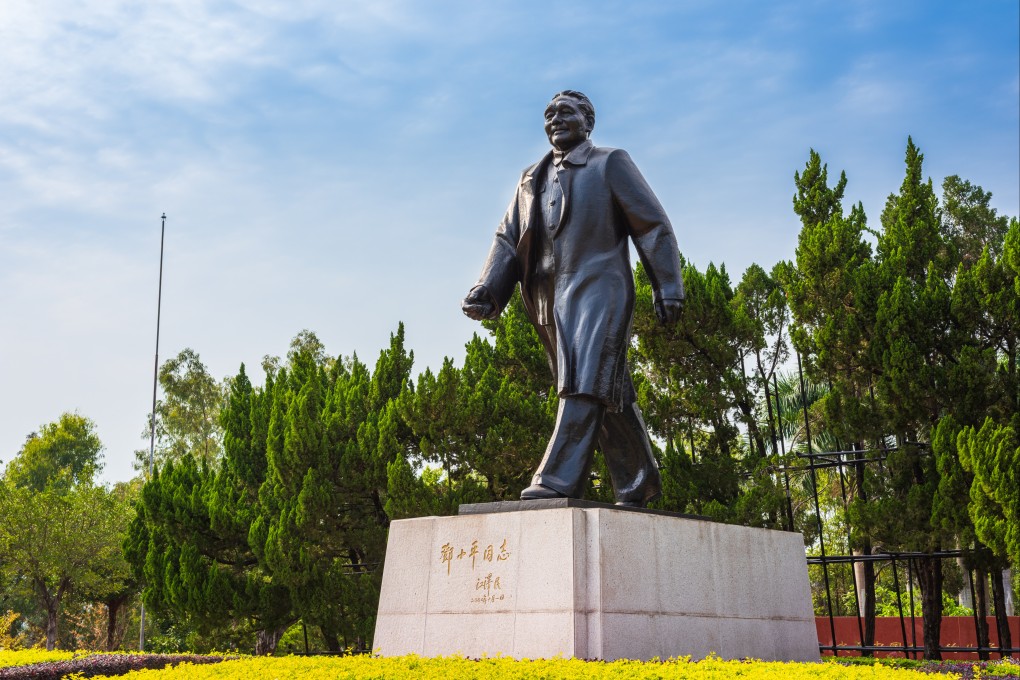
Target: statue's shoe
[
  {"x": 638, "y": 504},
  {"x": 538, "y": 492}
]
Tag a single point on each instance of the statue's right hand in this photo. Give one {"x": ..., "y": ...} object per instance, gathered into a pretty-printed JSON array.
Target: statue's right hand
[{"x": 478, "y": 305}]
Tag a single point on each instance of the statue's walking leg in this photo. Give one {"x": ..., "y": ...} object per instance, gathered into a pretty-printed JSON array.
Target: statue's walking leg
[
  {"x": 624, "y": 443},
  {"x": 564, "y": 468}
]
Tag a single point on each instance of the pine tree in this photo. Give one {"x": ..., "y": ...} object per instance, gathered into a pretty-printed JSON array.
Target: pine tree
[
  {"x": 333, "y": 435},
  {"x": 992, "y": 455},
  {"x": 969, "y": 222},
  {"x": 484, "y": 426},
  {"x": 832, "y": 296},
  {"x": 688, "y": 383},
  {"x": 912, "y": 348},
  {"x": 189, "y": 542}
]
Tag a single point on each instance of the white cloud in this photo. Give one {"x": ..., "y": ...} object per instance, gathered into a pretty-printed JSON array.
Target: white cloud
[{"x": 83, "y": 59}]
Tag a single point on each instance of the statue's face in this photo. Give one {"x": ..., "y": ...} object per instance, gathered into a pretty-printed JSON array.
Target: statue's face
[{"x": 565, "y": 124}]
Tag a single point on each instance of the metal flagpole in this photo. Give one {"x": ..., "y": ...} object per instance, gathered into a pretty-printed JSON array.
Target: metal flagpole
[{"x": 152, "y": 417}]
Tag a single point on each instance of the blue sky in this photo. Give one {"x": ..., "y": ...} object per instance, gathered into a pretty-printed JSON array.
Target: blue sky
[{"x": 340, "y": 166}]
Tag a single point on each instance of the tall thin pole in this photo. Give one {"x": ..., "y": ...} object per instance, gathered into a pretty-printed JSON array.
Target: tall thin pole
[{"x": 155, "y": 383}]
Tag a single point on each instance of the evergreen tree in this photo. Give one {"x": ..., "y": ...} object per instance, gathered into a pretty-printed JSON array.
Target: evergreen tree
[
  {"x": 969, "y": 222},
  {"x": 902, "y": 339},
  {"x": 331, "y": 439},
  {"x": 762, "y": 314},
  {"x": 950, "y": 516},
  {"x": 688, "y": 382},
  {"x": 189, "y": 542},
  {"x": 443, "y": 436},
  {"x": 485, "y": 426},
  {"x": 832, "y": 296},
  {"x": 991, "y": 454},
  {"x": 912, "y": 348},
  {"x": 983, "y": 384},
  {"x": 832, "y": 293}
]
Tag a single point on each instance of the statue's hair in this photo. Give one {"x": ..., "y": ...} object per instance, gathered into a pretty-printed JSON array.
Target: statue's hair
[{"x": 583, "y": 103}]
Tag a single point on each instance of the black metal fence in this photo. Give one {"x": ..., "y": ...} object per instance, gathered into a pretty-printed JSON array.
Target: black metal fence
[{"x": 856, "y": 461}]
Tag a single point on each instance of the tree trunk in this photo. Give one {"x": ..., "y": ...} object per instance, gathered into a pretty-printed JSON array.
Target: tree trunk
[
  {"x": 964, "y": 598},
  {"x": 115, "y": 628},
  {"x": 331, "y": 639},
  {"x": 864, "y": 572},
  {"x": 999, "y": 603},
  {"x": 929, "y": 578},
  {"x": 52, "y": 612},
  {"x": 50, "y": 600},
  {"x": 267, "y": 640},
  {"x": 981, "y": 609},
  {"x": 772, "y": 423},
  {"x": 111, "y": 624},
  {"x": 753, "y": 432},
  {"x": 864, "y": 576},
  {"x": 747, "y": 411}
]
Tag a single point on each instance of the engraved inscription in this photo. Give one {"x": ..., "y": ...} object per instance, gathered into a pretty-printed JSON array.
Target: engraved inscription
[
  {"x": 491, "y": 590},
  {"x": 462, "y": 561}
]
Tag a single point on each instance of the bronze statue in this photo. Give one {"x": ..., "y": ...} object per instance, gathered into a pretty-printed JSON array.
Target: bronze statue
[{"x": 565, "y": 238}]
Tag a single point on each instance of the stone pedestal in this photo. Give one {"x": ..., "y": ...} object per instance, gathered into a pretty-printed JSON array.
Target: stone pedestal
[{"x": 577, "y": 579}]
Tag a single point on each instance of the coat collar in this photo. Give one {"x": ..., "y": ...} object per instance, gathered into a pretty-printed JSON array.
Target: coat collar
[
  {"x": 579, "y": 154},
  {"x": 576, "y": 156}
]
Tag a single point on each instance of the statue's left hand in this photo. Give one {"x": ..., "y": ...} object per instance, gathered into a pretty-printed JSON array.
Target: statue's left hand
[{"x": 669, "y": 311}]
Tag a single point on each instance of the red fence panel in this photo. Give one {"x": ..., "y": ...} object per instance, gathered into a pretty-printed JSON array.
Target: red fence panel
[{"x": 957, "y": 631}]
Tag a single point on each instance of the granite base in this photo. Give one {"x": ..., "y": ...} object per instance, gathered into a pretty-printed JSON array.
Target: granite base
[{"x": 593, "y": 581}]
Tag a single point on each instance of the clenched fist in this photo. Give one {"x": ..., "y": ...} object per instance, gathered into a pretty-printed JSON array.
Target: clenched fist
[{"x": 478, "y": 305}]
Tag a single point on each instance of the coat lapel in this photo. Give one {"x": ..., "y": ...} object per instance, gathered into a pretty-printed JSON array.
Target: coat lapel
[
  {"x": 527, "y": 206},
  {"x": 578, "y": 157},
  {"x": 527, "y": 198}
]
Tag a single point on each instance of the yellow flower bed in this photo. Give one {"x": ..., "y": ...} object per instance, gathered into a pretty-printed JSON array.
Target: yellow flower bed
[
  {"x": 24, "y": 657},
  {"x": 395, "y": 668}
]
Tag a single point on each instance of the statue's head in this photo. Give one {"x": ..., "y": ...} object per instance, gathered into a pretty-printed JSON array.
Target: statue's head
[{"x": 569, "y": 119}]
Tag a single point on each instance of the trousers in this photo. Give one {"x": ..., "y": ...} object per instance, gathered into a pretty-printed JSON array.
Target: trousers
[{"x": 581, "y": 425}]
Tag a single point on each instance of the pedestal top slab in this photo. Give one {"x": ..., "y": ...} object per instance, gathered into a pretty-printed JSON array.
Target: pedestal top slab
[{"x": 559, "y": 503}]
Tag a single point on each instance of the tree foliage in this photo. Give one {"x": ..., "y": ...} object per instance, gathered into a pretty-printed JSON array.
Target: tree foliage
[
  {"x": 62, "y": 454},
  {"x": 916, "y": 341},
  {"x": 189, "y": 542},
  {"x": 187, "y": 415},
  {"x": 60, "y": 534}
]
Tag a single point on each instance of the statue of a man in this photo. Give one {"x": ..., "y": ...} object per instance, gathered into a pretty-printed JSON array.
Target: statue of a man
[{"x": 565, "y": 238}]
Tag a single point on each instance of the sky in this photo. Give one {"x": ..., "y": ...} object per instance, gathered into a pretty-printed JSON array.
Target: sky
[{"x": 341, "y": 166}]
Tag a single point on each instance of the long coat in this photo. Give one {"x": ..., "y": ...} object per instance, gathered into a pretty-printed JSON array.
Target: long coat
[{"x": 586, "y": 327}]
